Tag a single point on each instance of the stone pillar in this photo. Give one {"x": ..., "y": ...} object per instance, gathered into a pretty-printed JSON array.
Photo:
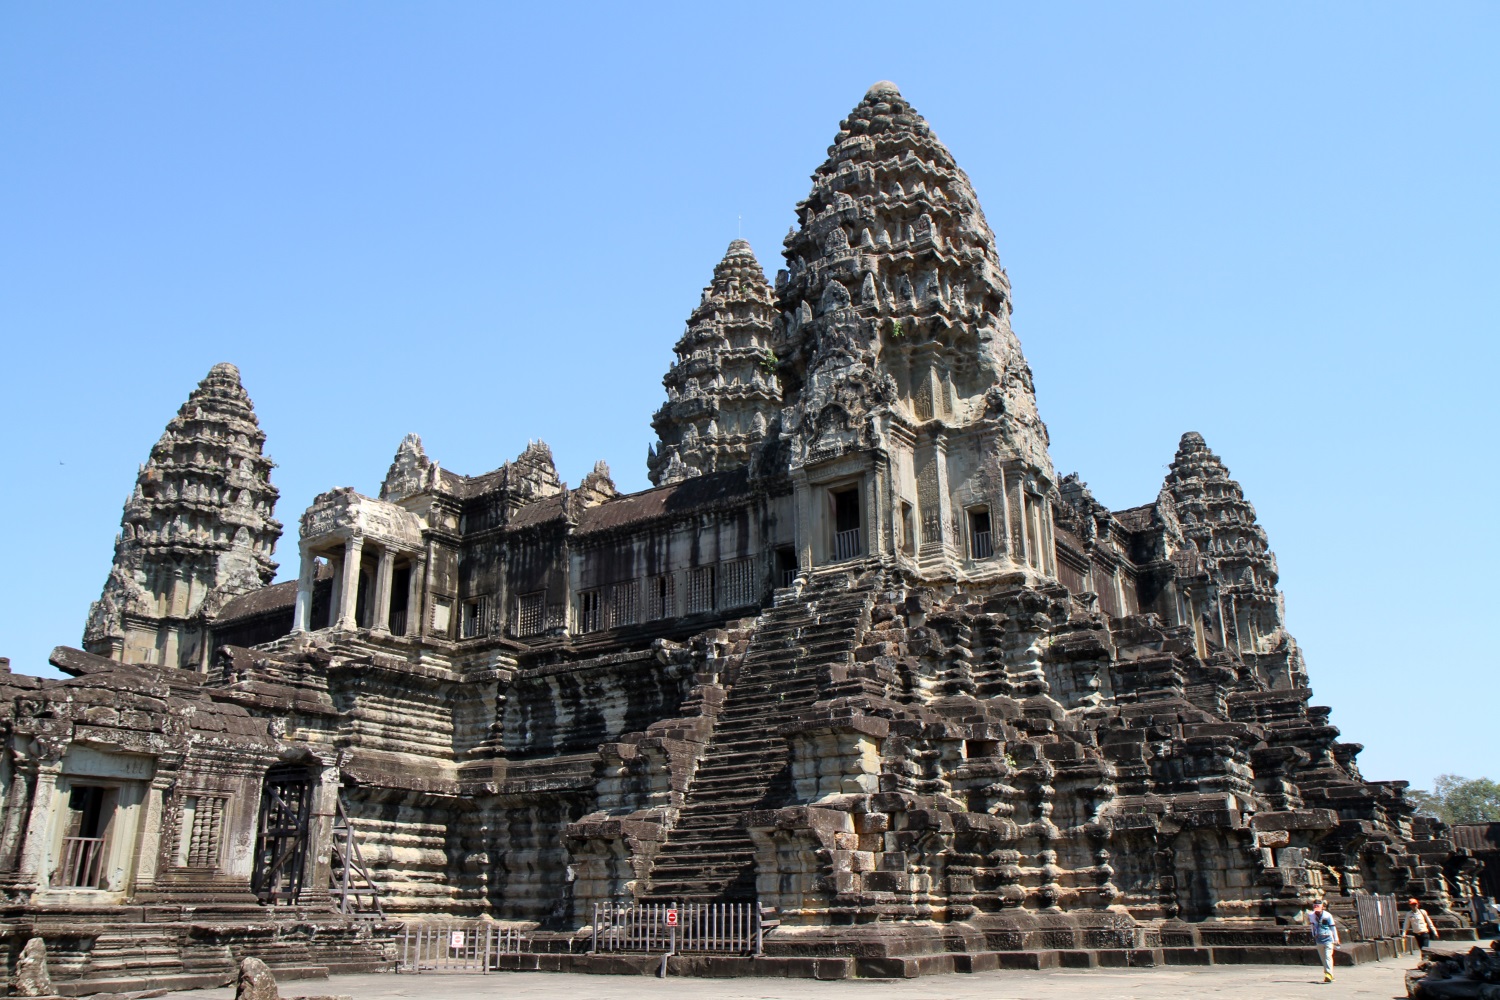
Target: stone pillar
[
  {"x": 306, "y": 574},
  {"x": 336, "y": 591},
  {"x": 428, "y": 562},
  {"x": 17, "y": 804},
  {"x": 36, "y": 845},
  {"x": 317, "y": 862},
  {"x": 152, "y": 826},
  {"x": 380, "y": 617},
  {"x": 414, "y": 593},
  {"x": 349, "y": 592}
]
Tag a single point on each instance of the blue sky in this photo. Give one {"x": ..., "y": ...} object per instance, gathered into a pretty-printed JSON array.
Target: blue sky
[{"x": 1275, "y": 224}]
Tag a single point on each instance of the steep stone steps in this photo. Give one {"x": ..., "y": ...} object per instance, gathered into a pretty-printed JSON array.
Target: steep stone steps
[{"x": 708, "y": 856}]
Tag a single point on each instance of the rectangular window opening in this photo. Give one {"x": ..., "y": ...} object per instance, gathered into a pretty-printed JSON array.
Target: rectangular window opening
[
  {"x": 981, "y": 542},
  {"x": 589, "y": 619},
  {"x": 661, "y": 601},
  {"x": 846, "y": 521},
  {"x": 700, "y": 589},
  {"x": 620, "y": 608},
  {"x": 786, "y": 566},
  {"x": 473, "y": 622},
  {"x": 531, "y": 610},
  {"x": 737, "y": 584}
]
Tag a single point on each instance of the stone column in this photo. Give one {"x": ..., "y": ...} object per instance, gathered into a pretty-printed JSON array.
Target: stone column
[
  {"x": 152, "y": 826},
  {"x": 317, "y": 862},
  {"x": 22, "y": 780},
  {"x": 349, "y": 592},
  {"x": 414, "y": 594},
  {"x": 307, "y": 573},
  {"x": 336, "y": 591},
  {"x": 428, "y": 562},
  {"x": 380, "y": 619},
  {"x": 37, "y": 844}
]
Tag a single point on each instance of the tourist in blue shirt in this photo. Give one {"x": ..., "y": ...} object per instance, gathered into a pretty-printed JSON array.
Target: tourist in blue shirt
[{"x": 1325, "y": 934}]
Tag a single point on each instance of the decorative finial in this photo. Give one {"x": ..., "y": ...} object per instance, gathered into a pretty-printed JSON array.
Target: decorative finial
[{"x": 884, "y": 88}]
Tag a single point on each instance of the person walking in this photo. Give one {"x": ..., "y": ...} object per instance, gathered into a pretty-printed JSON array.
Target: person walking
[
  {"x": 1418, "y": 924},
  {"x": 1325, "y": 934}
]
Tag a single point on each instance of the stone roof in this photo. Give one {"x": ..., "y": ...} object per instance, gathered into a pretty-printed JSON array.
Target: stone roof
[{"x": 672, "y": 500}]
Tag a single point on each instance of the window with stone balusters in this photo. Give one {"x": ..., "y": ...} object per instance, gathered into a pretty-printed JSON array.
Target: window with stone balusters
[
  {"x": 737, "y": 584},
  {"x": 700, "y": 589},
  {"x": 589, "y": 618},
  {"x": 201, "y": 829},
  {"x": 531, "y": 612}
]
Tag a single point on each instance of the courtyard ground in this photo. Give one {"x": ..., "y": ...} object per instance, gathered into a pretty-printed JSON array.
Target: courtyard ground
[{"x": 1378, "y": 980}]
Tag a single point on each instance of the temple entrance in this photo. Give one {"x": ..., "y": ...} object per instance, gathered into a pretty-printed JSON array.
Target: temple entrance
[{"x": 281, "y": 840}]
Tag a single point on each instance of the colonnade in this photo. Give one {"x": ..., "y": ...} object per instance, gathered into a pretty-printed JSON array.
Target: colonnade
[{"x": 343, "y": 606}]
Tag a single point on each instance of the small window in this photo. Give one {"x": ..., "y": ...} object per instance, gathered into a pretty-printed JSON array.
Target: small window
[
  {"x": 201, "y": 831},
  {"x": 474, "y": 619},
  {"x": 620, "y": 608},
  {"x": 589, "y": 619},
  {"x": 531, "y": 610},
  {"x": 981, "y": 543},
  {"x": 661, "y": 599},
  {"x": 700, "y": 589},
  {"x": 737, "y": 584},
  {"x": 908, "y": 532}
]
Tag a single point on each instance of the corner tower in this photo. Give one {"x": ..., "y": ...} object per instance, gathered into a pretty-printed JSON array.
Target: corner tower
[
  {"x": 1241, "y": 605},
  {"x": 722, "y": 392},
  {"x": 897, "y": 342},
  {"x": 197, "y": 531}
]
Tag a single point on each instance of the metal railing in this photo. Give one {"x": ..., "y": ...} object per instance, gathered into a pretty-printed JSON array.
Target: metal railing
[
  {"x": 458, "y": 947},
  {"x": 980, "y": 545},
  {"x": 83, "y": 863},
  {"x": 1379, "y": 916},
  {"x": 846, "y": 544},
  {"x": 733, "y": 928}
]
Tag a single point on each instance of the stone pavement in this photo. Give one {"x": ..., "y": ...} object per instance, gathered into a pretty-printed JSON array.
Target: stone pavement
[{"x": 1375, "y": 981}]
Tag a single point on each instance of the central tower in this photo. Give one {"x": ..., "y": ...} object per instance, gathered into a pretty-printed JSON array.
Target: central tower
[{"x": 911, "y": 426}]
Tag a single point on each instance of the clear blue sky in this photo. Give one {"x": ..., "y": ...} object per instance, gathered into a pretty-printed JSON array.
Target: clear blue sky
[{"x": 1272, "y": 223}]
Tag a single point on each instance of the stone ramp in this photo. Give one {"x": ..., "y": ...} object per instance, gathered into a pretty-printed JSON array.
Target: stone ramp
[{"x": 708, "y": 856}]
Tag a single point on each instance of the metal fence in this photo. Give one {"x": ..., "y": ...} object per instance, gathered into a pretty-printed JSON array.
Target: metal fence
[
  {"x": 83, "y": 863},
  {"x": 1379, "y": 917},
  {"x": 726, "y": 928},
  {"x": 458, "y": 947}
]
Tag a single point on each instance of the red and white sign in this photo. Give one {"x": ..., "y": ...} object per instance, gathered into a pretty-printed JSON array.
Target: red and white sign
[{"x": 672, "y": 917}]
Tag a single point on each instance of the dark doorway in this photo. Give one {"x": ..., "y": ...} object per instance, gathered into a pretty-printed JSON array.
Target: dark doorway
[
  {"x": 400, "y": 593},
  {"x": 90, "y": 810},
  {"x": 281, "y": 843},
  {"x": 846, "y": 543},
  {"x": 786, "y": 566}
]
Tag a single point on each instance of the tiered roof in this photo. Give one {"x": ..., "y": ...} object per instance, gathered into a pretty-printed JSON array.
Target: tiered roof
[
  {"x": 722, "y": 392},
  {"x": 202, "y": 509}
]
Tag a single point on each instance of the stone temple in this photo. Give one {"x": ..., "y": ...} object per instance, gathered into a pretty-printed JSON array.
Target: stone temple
[{"x": 860, "y": 657}]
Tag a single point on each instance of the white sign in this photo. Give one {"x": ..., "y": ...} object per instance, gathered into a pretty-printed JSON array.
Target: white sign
[
  {"x": 672, "y": 918},
  {"x": 456, "y": 941}
]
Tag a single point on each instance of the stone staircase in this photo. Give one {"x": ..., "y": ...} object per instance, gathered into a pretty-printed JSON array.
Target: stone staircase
[{"x": 708, "y": 856}]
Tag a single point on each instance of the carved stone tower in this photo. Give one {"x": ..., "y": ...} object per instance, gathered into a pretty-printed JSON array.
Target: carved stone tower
[
  {"x": 197, "y": 531},
  {"x": 722, "y": 393},
  {"x": 896, "y": 315},
  {"x": 1242, "y": 608}
]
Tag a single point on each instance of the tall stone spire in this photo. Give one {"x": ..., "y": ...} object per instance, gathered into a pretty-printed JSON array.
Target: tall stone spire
[
  {"x": 1244, "y": 607},
  {"x": 722, "y": 392},
  {"x": 894, "y": 294},
  {"x": 197, "y": 531}
]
